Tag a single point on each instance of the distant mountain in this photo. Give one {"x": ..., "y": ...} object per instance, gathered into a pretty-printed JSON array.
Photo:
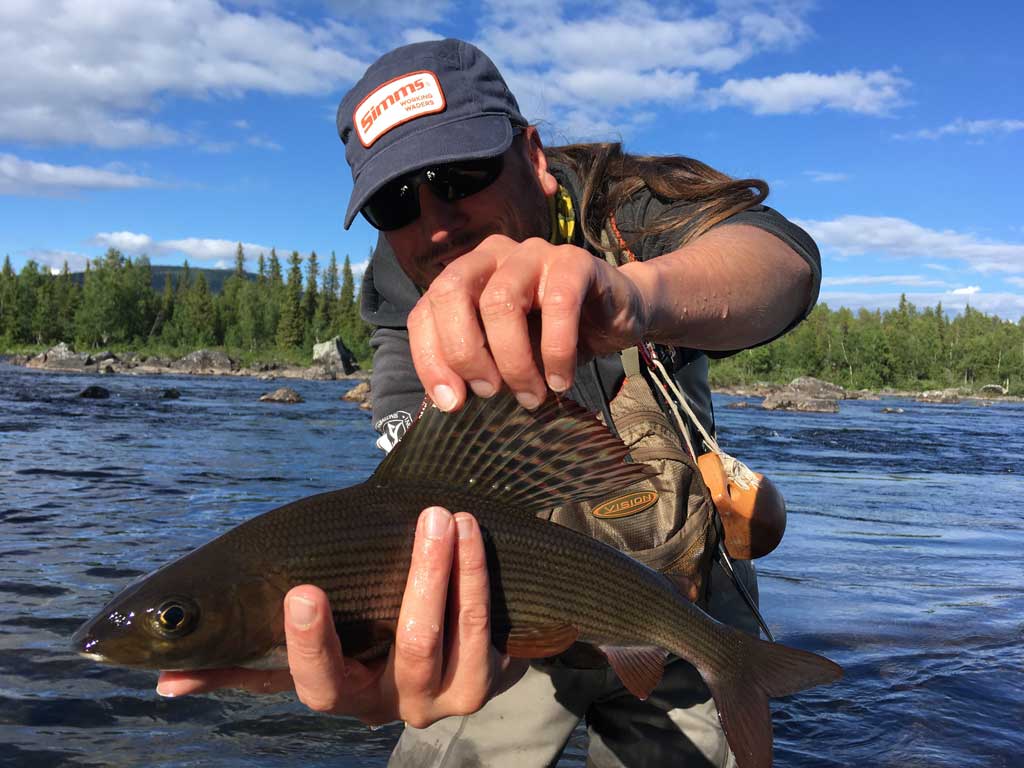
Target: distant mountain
[{"x": 215, "y": 278}]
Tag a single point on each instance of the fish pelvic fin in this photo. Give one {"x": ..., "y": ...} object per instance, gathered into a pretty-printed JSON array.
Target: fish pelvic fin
[
  {"x": 539, "y": 642},
  {"x": 741, "y": 693},
  {"x": 529, "y": 460},
  {"x": 639, "y": 668}
]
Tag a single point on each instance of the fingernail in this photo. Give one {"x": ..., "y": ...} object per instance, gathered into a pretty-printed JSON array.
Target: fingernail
[
  {"x": 528, "y": 400},
  {"x": 167, "y": 693},
  {"x": 435, "y": 524},
  {"x": 557, "y": 383},
  {"x": 465, "y": 526},
  {"x": 481, "y": 388},
  {"x": 303, "y": 611},
  {"x": 444, "y": 396}
]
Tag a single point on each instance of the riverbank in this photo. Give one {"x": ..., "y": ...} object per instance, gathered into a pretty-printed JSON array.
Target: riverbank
[{"x": 330, "y": 363}]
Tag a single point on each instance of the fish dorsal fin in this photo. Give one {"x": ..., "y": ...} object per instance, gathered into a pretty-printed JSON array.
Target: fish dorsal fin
[
  {"x": 540, "y": 642},
  {"x": 531, "y": 460},
  {"x": 639, "y": 668}
]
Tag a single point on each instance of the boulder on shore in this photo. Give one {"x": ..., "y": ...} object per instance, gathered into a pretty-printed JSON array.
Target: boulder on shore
[
  {"x": 285, "y": 395},
  {"x": 993, "y": 390},
  {"x": 943, "y": 396},
  {"x": 812, "y": 387},
  {"x": 806, "y": 394},
  {"x": 205, "y": 361},
  {"x": 333, "y": 354},
  {"x": 61, "y": 358}
]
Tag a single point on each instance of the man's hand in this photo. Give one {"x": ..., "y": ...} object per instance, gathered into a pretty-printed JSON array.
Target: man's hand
[
  {"x": 471, "y": 324},
  {"x": 436, "y": 668}
]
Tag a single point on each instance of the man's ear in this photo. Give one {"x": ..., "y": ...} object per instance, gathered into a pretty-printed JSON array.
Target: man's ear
[{"x": 539, "y": 161}]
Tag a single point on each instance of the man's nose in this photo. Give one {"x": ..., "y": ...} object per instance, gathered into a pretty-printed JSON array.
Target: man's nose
[{"x": 438, "y": 217}]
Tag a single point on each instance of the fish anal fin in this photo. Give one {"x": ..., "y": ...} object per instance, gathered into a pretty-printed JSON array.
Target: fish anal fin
[
  {"x": 533, "y": 641},
  {"x": 639, "y": 668}
]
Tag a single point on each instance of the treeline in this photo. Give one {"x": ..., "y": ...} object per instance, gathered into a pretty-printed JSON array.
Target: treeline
[
  {"x": 115, "y": 305},
  {"x": 902, "y": 348}
]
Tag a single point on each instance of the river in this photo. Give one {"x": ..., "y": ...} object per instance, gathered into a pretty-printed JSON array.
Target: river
[{"x": 903, "y": 561}]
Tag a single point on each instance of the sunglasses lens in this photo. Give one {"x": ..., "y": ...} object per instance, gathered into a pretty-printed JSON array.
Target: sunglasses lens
[
  {"x": 398, "y": 203},
  {"x": 394, "y": 205},
  {"x": 458, "y": 180}
]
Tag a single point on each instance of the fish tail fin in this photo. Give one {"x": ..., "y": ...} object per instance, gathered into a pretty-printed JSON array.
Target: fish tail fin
[{"x": 741, "y": 693}]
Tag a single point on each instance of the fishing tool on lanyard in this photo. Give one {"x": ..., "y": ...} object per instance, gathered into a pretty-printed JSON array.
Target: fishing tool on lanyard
[{"x": 751, "y": 511}]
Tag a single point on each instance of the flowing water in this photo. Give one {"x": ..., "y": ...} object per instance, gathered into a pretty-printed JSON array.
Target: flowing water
[{"x": 903, "y": 561}]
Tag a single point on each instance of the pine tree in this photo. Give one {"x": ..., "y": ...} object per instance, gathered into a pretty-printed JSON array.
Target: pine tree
[
  {"x": 309, "y": 299},
  {"x": 291, "y": 325},
  {"x": 8, "y": 298},
  {"x": 346, "y": 301},
  {"x": 326, "y": 310}
]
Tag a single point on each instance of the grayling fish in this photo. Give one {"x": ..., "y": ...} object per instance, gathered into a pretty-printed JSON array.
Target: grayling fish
[{"x": 221, "y": 605}]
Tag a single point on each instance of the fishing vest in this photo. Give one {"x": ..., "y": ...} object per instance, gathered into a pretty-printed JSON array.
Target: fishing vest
[{"x": 667, "y": 522}]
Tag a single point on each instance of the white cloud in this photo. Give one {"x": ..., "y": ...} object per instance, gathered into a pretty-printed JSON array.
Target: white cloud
[
  {"x": 912, "y": 280},
  {"x": 263, "y": 143},
  {"x": 596, "y": 67},
  {"x": 205, "y": 249},
  {"x": 129, "y": 242},
  {"x": 962, "y": 127},
  {"x": 28, "y": 177},
  {"x": 969, "y": 290},
  {"x": 869, "y": 93},
  {"x": 198, "y": 248},
  {"x": 891, "y": 236},
  {"x": 420, "y": 35},
  {"x": 1018, "y": 281},
  {"x": 54, "y": 260},
  {"x": 97, "y": 73},
  {"x": 826, "y": 176}
]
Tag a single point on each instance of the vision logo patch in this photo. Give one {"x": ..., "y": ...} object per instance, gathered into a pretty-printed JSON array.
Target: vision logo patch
[
  {"x": 397, "y": 101},
  {"x": 392, "y": 428},
  {"x": 624, "y": 506}
]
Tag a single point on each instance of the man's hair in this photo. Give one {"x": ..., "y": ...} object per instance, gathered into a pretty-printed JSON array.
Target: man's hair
[{"x": 611, "y": 177}]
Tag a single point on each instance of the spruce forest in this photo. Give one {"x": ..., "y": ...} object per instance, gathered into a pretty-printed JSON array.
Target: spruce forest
[
  {"x": 276, "y": 315},
  {"x": 269, "y": 315}
]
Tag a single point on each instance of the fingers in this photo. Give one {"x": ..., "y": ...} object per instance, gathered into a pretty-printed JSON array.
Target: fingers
[
  {"x": 314, "y": 651},
  {"x": 471, "y": 326},
  {"x": 562, "y": 294},
  {"x": 419, "y": 639},
  {"x": 471, "y": 660},
  {"x": 172, "y": 684}
]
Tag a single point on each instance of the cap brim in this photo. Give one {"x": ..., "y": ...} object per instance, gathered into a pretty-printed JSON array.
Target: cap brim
[{"x": 467, "y": 139}]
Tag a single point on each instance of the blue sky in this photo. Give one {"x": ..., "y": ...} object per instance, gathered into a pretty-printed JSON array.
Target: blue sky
[{"x": 893, "y": 132}]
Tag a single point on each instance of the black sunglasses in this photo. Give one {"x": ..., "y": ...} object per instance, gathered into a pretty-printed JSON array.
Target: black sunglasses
[{"x": 397, "y": 203}]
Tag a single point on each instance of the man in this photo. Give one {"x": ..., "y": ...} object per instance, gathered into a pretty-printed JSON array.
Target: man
[{"x": 490, "y": 273}]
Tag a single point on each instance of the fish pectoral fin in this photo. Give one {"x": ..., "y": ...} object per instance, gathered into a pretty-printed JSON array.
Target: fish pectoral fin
[
  {"x": 538, "y": 641},
  {"x": 639, "y": 668}
]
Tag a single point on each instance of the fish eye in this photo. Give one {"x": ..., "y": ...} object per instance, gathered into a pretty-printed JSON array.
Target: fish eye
[{"x": 175, "y": 617}]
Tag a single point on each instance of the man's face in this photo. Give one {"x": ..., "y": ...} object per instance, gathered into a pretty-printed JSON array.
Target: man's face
[{"x": 515, "y": 205}]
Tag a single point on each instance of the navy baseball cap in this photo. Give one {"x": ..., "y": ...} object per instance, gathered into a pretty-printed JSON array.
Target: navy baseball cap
[{"x": 419, "y": 105}]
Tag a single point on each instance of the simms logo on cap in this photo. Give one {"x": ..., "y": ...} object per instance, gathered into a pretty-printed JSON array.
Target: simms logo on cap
[{"x": 397, "y": 101}]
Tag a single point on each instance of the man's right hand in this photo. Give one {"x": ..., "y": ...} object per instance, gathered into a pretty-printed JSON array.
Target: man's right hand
[{"x": 442, "y": 662}]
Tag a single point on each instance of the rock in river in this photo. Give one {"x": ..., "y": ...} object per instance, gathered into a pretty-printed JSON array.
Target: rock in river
[
  {"x": 282, "y": 395},
  {"x": 95, "y": 393}
]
